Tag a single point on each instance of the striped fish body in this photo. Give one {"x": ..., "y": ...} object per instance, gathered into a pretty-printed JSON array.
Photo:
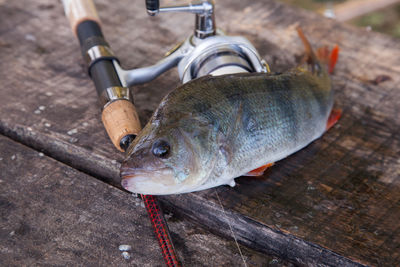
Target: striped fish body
[{"x": 215, "y": 129}]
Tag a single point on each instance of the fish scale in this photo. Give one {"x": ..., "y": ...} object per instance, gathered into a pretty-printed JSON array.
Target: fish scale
[
  {"x": 220, "y": 127},
  {"x": 278, "y": 130}
]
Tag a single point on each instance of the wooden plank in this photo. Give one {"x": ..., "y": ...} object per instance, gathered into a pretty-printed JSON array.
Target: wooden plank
[
  {"x": 52, "y": 214},
  {"x": 337, "y": 198},
  {"x": 202, "y": 211},
  {"x": 355, "y": 8}
]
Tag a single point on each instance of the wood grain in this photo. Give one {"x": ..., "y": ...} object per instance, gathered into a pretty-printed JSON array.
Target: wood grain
[
  {"x": 356, "y": 8},
  {"x": 52, "y": 214},
  {"x": 336, "y": 202}
]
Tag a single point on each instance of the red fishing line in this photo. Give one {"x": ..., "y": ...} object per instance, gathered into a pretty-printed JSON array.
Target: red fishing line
[{"x": 161, "y": 230}]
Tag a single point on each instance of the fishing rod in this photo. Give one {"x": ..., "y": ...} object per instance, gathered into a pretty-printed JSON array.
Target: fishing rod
[
  {"x": 119, "y": 115},
  {"x": 208, "y": 51}
]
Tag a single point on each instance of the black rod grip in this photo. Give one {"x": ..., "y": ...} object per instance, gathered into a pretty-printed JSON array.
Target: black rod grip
[
  {"x": 119, "y": 115},
  {"x": 101, "y": 71}
]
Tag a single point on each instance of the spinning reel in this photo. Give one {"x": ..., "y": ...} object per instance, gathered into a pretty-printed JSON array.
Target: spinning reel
[{"x": 206, "y": 51}]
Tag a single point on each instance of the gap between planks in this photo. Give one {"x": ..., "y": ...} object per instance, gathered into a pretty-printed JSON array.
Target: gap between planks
[{"x": 209, "y": 215}]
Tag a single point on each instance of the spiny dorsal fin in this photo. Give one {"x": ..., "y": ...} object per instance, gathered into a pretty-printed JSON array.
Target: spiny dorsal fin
[{"x": 311, "y": 58}]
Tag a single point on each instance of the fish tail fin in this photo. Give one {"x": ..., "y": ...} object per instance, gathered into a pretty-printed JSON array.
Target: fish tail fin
[
  {"x": 329, "y": 58},
  {"x": 322, "y": 55},
  {"x": 333, "y": 59}
]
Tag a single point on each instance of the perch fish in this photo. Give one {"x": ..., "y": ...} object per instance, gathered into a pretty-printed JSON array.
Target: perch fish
[{"x": 213, "y": 129}]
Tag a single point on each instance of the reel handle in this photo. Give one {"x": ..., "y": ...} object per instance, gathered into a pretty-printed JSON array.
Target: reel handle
[{"x": 204, "y": 10}]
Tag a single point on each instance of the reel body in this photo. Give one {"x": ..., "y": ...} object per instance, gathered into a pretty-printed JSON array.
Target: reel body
[{"x": 207, "y": 51}]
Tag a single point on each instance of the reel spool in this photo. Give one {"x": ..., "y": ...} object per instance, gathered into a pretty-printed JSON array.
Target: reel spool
[{"x": 207, "y": 52}]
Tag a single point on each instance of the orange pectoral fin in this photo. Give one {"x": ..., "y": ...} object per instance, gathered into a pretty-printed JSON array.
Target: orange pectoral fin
[
  {"x": 333, "y": 118},
  {"x": 259, "y": 171}
]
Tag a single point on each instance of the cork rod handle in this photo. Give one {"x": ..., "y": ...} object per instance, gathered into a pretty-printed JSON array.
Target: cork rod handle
[{"x": 120, "y": 119}]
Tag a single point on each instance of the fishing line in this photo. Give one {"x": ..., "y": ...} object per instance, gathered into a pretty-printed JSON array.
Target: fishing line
[{"x": 230, "y": 227}]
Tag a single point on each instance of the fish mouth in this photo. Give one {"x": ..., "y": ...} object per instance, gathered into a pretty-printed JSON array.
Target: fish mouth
[{"x": 159, "y": 182}]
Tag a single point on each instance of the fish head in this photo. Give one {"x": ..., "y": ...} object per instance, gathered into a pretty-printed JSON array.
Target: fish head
[{"x": 167, "y": 159}]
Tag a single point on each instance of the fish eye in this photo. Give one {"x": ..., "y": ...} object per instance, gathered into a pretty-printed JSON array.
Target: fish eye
[{"x": 161, "y": 149}]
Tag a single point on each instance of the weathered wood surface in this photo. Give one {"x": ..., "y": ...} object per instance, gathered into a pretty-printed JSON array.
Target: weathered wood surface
[
  {"x": 356, "y": 8},
  {"x": 52, "y": 214},
  {"x": 336, "y": 202}
]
